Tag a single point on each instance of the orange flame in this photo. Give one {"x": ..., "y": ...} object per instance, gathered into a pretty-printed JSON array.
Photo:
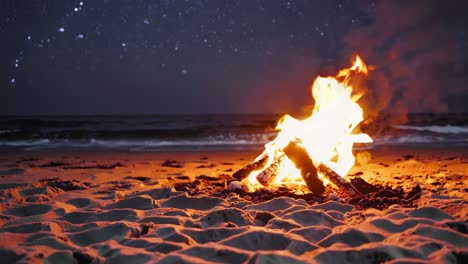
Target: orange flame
[{"x": 327, "y": 134}]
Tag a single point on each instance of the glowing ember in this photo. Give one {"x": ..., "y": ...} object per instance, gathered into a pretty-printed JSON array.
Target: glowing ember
[{"x": 327, "y": 134}]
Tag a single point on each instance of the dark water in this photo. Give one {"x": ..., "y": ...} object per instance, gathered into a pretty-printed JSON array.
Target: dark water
[{"x": 200, "y": 132}]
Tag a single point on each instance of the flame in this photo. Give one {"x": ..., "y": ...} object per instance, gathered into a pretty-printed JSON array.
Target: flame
[{"x": 327, "y": 134}]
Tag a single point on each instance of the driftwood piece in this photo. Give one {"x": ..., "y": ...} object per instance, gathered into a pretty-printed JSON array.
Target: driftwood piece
[
  {"x": 268, "y": 175},
  {"x": 298, "y": 155},
  {"x": 338, "y": 181},
  {"x": 245, "y": 171}
]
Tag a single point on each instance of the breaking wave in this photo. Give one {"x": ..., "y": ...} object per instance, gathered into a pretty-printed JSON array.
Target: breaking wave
[
  {"x": 194, "y": 144},
  {"x": 437, "y": 129},
  {"x": 202, "y": 132}
]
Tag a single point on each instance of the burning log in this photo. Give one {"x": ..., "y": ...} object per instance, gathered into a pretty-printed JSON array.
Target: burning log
[
  {"x": 299, "y": 156},
  {"x": 301, "y": 160},
  {"x": 338, "y": 181},
  {"x": 268, "y": 175},
  {"x": 245, "y": 171}
]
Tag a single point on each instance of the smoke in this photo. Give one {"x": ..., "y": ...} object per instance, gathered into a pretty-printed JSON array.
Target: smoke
[{"x": 418, "y": 58}]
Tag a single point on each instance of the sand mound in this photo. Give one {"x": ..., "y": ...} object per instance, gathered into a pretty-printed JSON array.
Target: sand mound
[
  {"x": 143, "y": 202},
  {"x": 269, "y": 240},
  {"x": 30, "y": 228},
  {"x": 10, "y": 255},
  {"x": 312, "y": 234},
  {"x": 206, "y": 235},
  {"x": 216, "y": 253},
  {"x": 278, "y": 223},
  {"x": 111, "y": 215},
  {"x": 223, "y": 216},
  {"x": 351, "y": 237},
  {"x": 79, "y": 202},
  {"x": 118, "y": 232},
  {"x": 310, "y": 217},
  {"x": 431, "y": 213},
  {"x": 276, "y": 204},
  {"x": 374, "y": 254},
  {"x": 197, "y": 203},
  {"x": 160, "y": 193},
  {"x": 29, "y": 210}
]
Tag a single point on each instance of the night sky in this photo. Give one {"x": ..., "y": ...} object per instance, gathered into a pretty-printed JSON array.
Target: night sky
[{"x": 226, "y": 56}]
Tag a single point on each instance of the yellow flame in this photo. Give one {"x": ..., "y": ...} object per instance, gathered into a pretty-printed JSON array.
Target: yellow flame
[{"x": 327, "y": 134}]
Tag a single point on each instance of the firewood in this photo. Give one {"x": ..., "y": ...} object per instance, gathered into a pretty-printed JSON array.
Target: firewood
[
  {"x": 245, "y": 171},
  {"x": 268, "y": 175},
  {"x": 298, "y": 155},
  {"x": 338, "y": 181}
]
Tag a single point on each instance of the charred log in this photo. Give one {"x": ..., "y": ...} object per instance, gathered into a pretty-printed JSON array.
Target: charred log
[
  {"x": 268, "y": 175},
  {"x": 338, "y": 181},
  {"x": 298, "y": 155},
  {"x": 245, "y": 171}
]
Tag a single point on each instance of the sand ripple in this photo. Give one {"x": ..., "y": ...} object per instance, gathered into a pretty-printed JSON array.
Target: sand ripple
[{"x": 166, "y": 226}]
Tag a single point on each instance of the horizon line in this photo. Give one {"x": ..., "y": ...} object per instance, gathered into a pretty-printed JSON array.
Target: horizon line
[{"x": 194, "y": 114}]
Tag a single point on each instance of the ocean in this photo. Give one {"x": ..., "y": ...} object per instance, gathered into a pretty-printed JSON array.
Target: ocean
[{"x": 202, "y": 132}]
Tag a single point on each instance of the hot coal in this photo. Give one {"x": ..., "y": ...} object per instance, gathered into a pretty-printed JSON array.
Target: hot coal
[
  {"x": 383, "y": 197},
  {"x": 414, "y": 194},
  {"x": 205, "y": 177},
  {"x": 263, "y": 195},
  {"x": 363, "y": 186},
  {"x": 182, "y": 177},
  {"x": 375, "y": 196}
]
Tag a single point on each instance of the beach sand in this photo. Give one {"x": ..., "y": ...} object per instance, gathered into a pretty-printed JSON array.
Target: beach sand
[{"x": 123, "y": 207}]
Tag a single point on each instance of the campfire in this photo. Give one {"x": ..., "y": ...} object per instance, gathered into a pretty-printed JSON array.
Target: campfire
[{"x": 316, "y": 150}]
